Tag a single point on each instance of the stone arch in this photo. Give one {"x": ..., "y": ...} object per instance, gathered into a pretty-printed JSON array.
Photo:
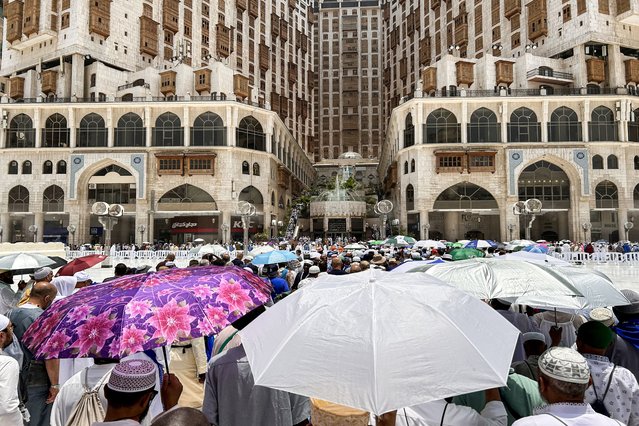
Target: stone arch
[
  {"x": 465, "y": 195},
  {"x": 187, "y": 194},
  {"x": 606, "y": 195},
  {"x": 547, "y": 182},
  {"x": 53, "y": 199},
  {"x": 597, "y": 162},
  {"x": 88, "y": 172},
  {"x": 442, "y": 127},
  {"x": 410, "y": 197},
  {"x": 409, "y": 131},
  {"x": 253, "y": 196},
  {"x": 483, "y": 126}
]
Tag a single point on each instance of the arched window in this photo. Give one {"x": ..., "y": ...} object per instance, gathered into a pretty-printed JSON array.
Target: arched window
[
  {"x": 13, "y": 168},
  {"x": 130, "y": 131},
  {"x": 168, "y": 130},
  {"x": 280, "y": 202},
  {"x": 597, "y": 162},
  {"x": 113, "y": 169},
  {"x": 409, "y": 132},
  {"x": 546, "y": 182},
  {"x": 564, "y": 126},
  {"x": 19, "y": 199},
  {"x": 405, "y": 167},
  {"x": 546, "y": 71},
  {"x": 27, "y": 167},
  {"x": 602, "y": 126},
  {"x": 464, "y": 196},
  {"x": 410, "y": 198},
  {"x": 442, "y": 127},
  {"x": 606, "y": 195},
  {"x": 245, "y": 168},
  {"x": 47, "y": 168},
  {"x": 483, "y": 127},
  {"x": 21, "y": 132},
  {"x": 256, "y": 169},
  {"x": 272, "y": 198},
  {"x": 92, "y": 132},
  {"x": 412, "y": 165},
  {"x": 61, "y": 167},
  {"x": 252, "y": 195},
  {"x": 612, "y": 162},
  {"x": 208, "y": 130},
  {"x": 636, "y": 161},
  {"x": 55, "y": 133},
  {"x": 635, "y": 197},
  {"x": 250, "y": 134},
  {"x": 524, "y": 126},
  {"x": 187, "y": 194},
  {"x": 633, "y": 126},
  {"x": 121, "y": 191},
  {"x": 53, "y": 199}
]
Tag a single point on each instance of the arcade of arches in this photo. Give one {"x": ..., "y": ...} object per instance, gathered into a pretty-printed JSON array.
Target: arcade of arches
[{"x": 468, "y": 211}]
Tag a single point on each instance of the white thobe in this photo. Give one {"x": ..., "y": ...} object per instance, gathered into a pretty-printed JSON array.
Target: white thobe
[
  {"x": 430, "y": 413},
  {"x": 570, "y": 415},
  {"x": 8, "y": 298},
  {"x": 622, "y": 399},
  {"x": 9, "y": 402}
]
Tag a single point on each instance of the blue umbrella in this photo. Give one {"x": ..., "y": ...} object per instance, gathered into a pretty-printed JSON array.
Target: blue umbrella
[
  {"x": 273, "y": 257},
  {"x": 480, "y": 244},
  {"x": 537, "y": 248}
]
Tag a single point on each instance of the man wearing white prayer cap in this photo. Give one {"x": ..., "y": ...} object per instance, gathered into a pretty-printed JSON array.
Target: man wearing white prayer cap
[
  {"x": 9, "y": 378},
  {"x": 83, "y": 279},
  {"x": 131, "y": 389},
  {"x": 43, "y": 274},
  {"x": 564, "y": 376}
]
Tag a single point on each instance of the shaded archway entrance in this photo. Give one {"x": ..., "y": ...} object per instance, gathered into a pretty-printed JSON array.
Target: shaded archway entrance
[
  {"x": 548, "y": 183},
  {"x": 465, "y": 211}
]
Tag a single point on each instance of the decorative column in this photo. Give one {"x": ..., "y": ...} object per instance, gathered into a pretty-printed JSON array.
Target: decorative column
[
  {"x": 149, "y": 126},
  {"x": 37, "y": 127},
  {"x": 418, "y": 123},
  {"x": 585, "y": 111},
  {"x": 464, "y": 122},
  {"x": 504, "y": 121},
  {"x": 187, "y": 126},
  {"x": 77, "y": 75},
  {"x": 39, "y": 222},
  {"x": 544, "y": 121},
  {"x": 73, "y": 133},
  {"x": 109, "y": 126}
]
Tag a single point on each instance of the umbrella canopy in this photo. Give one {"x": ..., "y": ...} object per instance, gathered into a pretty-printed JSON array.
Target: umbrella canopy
[
  {"x": 376, "y": 242},
  {"x": 273, "y": 257},
  {"x": 198, "y": 240},
  {"x": 80, "y": 264},
  {"x": 362, "y": 347},
  {"x": 400, "y": 241},
  {"x": 466, "y": 253},
  {"x": 355, "y": 246},
  {"x": 24, "y": 263},
  {"x": 261, "y": 250},
  {"x": 429, "y": 244},
  {"x": 413, "y": 264},
  {"x": 539, "y": 258},
  {"x": 140, "y": 312},
  {"x": 537, "y": 248},
  {"x": 214, "y": 249},
  {"x": 523, "y": 283},
  {"x": 479, "y": 244}
]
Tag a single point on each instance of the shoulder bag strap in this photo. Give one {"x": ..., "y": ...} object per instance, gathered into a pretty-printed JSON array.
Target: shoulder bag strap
[
  {"x": 441, "y": 423},
  {"x": 609, "y": 382},
  {"x": 558, "y": 419}
]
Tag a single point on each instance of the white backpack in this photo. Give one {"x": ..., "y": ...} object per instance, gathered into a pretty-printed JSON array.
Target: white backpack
[{"x": 89, "y": 408}]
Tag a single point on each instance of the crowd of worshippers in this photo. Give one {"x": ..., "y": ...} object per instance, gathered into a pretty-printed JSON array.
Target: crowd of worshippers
[{"x": 568, "y": 368}]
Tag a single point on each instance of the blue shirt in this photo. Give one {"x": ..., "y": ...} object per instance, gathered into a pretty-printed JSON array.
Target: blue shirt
[{"x": 279, "y": 286}]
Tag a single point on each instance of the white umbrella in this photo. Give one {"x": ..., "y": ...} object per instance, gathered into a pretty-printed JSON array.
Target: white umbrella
[
  {"x": 539, "y": 258},
  {"x": 215, "y": 249},
  {"x": 355, "y": 246},
  {"x": 429, "y": 244},
  {"x": 198, "y": 240},
  {"x": 409, "y": 265},
  {"x": 260, "y": 250},
  {"x": 379, "y": 342},
  {"x": 24, "y": 262}
]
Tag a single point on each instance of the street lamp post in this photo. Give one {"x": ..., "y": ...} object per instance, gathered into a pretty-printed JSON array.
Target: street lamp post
[
  {"x": 273, "y": 228},
  {"x": 426, "y": 228},
  {"x": 383, "y": 208},
  {"x": 511, "y": 228},
  {"x": 1, "y": 230},
  {"x": 72, "y": 229},
  {"x": 141, "y": 229},
  {"x": 246, "y": 211},
  {"x": 395, "y": 222},
  {"x": 628, "y": 226},
  {"x": 530, "y": 208},
  {"x": 225, "y": 229},
  {"x": 586, "y": 227},
  {"x": 34, "y": 229},
  {"x": 108, "y": 217}
]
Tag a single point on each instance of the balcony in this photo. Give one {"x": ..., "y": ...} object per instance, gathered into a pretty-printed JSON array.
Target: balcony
[
  {"x": 596, "y": 70},
  {"x": 202, "y": 80},
  {"x": 548, "y": 75},
  {"x": 632, "y": 71},
  {"x": 49, "y": 81},
  {"x": 429, "y": 79},
  {"x": 504, "y": 73},
  {"x": 241, "y": 86}
]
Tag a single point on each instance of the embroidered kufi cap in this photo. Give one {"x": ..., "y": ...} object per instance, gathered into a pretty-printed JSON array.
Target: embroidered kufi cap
[
  {"x": 136, "y": 375},
  {"x": 565, "y": 365},
  {"x": 42, "y": 273}
]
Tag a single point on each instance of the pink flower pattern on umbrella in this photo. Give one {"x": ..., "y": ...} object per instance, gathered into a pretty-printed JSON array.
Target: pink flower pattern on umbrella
[
  {"x": 170, "y": 320},
  {"x": 203, "y": 291},
  {"x": 217, "y": 316},
  {"x": 94, "y": 333},
  {"x": 79, "y": 313},
  {"x": 138, "y": 308},
  {"x": 140, "y": 312},
  {"x": 234, "y": 296},
  {"x": 56, "y": 343},
  {"x": 132, "y": 340}
]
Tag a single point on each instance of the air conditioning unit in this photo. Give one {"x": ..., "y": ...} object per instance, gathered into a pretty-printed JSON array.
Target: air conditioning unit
[{"x": 92, "y": 186}]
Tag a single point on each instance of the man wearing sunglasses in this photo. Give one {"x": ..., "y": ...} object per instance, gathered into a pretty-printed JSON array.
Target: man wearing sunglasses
[{"x": 9, "y": 376}]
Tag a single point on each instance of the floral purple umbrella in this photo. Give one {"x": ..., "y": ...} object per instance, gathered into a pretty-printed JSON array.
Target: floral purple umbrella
[{"x": 140, "y": 312}]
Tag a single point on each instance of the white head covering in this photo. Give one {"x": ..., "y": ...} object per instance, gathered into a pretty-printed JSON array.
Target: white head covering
[
  {"x": 565, "y": 365},
  {"x": 82, "y": 276},
  {"x": 4, "y": 322},
  {"x": 65, "y": 286}
]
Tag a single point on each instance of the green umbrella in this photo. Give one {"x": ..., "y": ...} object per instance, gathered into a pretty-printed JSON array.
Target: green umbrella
[
  {"x": 376, "y": 242},
  {"x": 400, "y": 241},
  {"x": 466, "y": 253},
  {"x": 457, "y": 245}
]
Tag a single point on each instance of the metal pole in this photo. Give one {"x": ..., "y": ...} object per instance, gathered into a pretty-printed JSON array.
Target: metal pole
[{"x": 245, "y": 225}]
